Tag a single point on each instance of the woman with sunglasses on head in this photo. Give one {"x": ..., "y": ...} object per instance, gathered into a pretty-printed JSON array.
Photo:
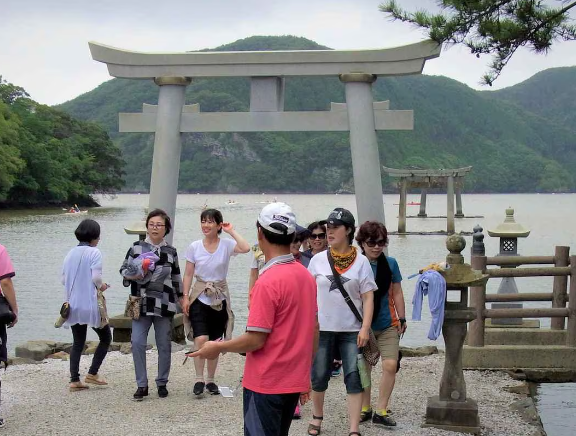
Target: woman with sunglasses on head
[
  {"x": 206, "y": 304},
  {"x": 389, "y": 319},
  {"x": 341, "y": 266},
  {"x": 158, "y": 292}
]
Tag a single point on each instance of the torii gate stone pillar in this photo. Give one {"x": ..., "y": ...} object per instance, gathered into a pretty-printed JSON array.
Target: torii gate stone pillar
[
  {"x": 360, "y": 115},
  {"x": 167, "y": 144},
  {"x": 364, "y": 146}
]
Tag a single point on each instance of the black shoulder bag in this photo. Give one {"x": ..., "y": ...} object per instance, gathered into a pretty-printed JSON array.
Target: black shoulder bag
[{"x": 370, "y": 351}]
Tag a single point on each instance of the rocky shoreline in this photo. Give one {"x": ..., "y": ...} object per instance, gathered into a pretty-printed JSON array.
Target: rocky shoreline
[{"x": 36, "y": 401}]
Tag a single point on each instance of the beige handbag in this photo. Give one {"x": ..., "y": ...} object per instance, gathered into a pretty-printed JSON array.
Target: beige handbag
[{"x": 132, "y": 309}]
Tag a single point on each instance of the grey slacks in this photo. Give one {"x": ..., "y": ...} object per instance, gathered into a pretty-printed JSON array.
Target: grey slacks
[{"x": 162, "y": 329}]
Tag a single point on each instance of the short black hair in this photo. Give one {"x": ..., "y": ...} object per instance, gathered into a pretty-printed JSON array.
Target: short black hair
[
  {"x": 213, "y": 215},
  {"x": 87, "y": 230},
  {"x": 164, "y": 216},
  {"x": 276, "y": 238},
  {"x": 316, "y": 225}
]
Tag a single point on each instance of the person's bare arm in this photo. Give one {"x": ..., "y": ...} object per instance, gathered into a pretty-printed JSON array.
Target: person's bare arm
[
  {"x": 242, "y": 245},
  {"x": 186, "y": 283},
  {"x": 367, "y": 312},
  {"x": 245, "y": 343},
  {"x": 399, "y": 304},
  {"x": 254, "y": 273},
  {"x": 10, "y": 294}
]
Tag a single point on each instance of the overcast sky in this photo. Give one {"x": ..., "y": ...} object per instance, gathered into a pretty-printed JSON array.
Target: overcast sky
[{"x": 44, "y": 44}]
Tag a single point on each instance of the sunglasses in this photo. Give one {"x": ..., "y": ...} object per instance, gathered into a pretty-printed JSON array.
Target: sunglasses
[
  {"x": 318, "y": 236},
  {"x": 380, "y": 243}
]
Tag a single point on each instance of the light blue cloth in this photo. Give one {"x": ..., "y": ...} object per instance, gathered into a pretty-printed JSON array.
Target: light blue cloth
[
  {"x": 430, "y": 283},
  {"x": 81, "y": 275}
]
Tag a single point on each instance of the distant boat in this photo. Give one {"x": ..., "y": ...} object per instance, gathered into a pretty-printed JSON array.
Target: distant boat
[{"x": 82, "y": 212}]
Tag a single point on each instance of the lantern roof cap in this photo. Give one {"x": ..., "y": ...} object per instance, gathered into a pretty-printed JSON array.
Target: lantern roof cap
[{"x": 509, "y": 228}]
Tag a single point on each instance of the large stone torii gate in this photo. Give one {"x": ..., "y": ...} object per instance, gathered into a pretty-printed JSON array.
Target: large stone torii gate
[{"x": 361, "y": 116}]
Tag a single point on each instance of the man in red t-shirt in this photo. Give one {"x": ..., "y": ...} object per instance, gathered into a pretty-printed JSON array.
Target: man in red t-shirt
[{"x": 281, "y": 334}]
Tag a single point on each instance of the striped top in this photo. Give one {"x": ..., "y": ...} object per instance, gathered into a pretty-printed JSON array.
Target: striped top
[{"x": 159, "y": 295}]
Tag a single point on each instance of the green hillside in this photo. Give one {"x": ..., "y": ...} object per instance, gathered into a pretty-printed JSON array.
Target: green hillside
[
  {"x": 550, "y": 94},
  {"x": 511, "y": 149}
]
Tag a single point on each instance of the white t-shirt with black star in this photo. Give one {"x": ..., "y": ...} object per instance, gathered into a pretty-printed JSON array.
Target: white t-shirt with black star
[{"x": 334, "y": 314}]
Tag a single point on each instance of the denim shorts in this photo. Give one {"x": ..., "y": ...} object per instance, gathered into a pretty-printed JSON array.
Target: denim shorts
[{"x": 322, "y": 367}]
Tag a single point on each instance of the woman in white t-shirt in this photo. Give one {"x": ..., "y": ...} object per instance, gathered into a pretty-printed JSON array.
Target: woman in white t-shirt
[
  {"x": 206, "y": 305},
  {"x": 339, "y": 327}
]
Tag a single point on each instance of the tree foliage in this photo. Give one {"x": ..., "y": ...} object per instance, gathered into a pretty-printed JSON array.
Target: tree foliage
[
  {"x": 495, "y": 27},
  {"x": 48, "y": 157}
]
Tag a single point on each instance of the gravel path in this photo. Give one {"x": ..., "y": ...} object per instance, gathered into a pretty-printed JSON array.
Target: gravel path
[{"x": 36, "y": 401}]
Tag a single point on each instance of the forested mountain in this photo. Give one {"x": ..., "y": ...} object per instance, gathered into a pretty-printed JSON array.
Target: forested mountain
[
  {"x": 550, "y": 94},
  {"x": 49, "y": 158},
  {"x": 510, "y": 148}
]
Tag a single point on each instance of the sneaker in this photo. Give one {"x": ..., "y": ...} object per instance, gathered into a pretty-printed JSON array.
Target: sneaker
[
  {"x": 212, "y": 388},
  {"x": 297, "y": 414},
  {"x": 2, "y": 423},
  {"x": 162, "y": 391},
  {"x": 336, "y": 368},
  {"x": 198, "y": 388},
  {"x": 383, "y": 420},
  {"x": 140, "y": 394},
  {"x": 366, "y": 415}
]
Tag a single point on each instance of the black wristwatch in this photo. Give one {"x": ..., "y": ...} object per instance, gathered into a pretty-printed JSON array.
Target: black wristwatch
[{"x": 402, "y": 321}]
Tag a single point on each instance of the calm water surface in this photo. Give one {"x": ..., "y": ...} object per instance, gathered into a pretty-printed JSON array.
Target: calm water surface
[{"x": 38, "y": 241}]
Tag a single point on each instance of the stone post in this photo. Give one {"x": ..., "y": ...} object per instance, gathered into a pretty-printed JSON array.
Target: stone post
[
  {"x": 364, "y": 146},
  {"x": 477, "y": 293},
  {"x": 450, "y": 228},
  {"x": 422, "y": 212},
  {"x": 167, "y": 146},
  {"x": 452, "y": 410},
  {"x": 458, "y": 189},
  {"x": 402, "y": 206},
  {"x": 560, "y": 286}
]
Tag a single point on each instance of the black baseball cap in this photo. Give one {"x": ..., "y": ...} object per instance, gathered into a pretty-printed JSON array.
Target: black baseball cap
[{"x": 340, "y": 217}]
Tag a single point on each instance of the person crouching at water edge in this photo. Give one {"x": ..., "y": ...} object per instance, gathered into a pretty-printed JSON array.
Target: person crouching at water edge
[
  {"x": 281, "y": 333},
  {"x": 389, "y": 319},
  {"x": 82, "y": 280},
  {"x": 343, "y": 278},
  {"x": 207, "y": 310},
  {"x": 155, "y": 297}
]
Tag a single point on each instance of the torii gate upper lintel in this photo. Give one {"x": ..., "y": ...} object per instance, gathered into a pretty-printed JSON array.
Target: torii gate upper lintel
[{"x": 361, "y": 116}]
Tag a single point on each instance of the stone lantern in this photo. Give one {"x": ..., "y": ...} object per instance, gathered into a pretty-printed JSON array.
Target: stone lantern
[
  {"x": 452, "y": 410},
  {"x": 509, "y": 231},
  {"x": 137, "y": 228}
]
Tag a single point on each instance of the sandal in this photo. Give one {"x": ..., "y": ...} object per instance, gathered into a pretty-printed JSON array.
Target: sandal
[
  {"x": 78, "y": 386},
  {"x": 354, "y": 432},
  {"x": 314, "y": 427}
]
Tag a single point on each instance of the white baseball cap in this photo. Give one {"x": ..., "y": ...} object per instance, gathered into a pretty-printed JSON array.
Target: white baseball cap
[{"x": 278, "y": 213}]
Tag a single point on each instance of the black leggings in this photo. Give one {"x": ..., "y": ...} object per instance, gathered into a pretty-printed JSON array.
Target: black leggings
[{"x": 79, "y": 333}]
